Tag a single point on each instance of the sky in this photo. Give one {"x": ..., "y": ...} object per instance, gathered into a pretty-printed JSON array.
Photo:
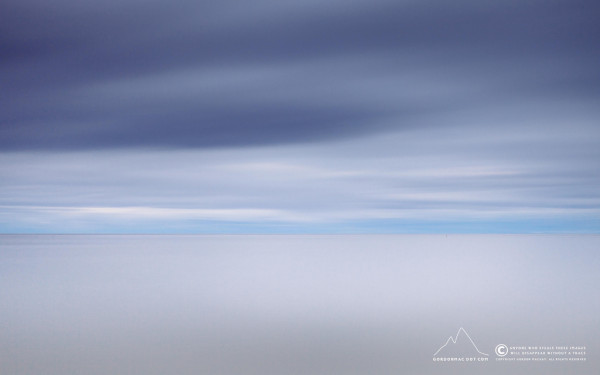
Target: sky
[{"x": 267, "y": 116}]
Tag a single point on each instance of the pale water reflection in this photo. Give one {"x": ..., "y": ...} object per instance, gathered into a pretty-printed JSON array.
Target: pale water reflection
[{"x": 292, "y": 304}]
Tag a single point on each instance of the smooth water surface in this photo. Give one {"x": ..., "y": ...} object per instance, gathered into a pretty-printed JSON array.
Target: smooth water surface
[{"x": 292, "y": 304}]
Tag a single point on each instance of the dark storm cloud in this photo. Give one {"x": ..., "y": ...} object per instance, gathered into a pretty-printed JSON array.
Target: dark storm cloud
[
  {"x": 55, "y": 55},
  {"x": 194, "y": 127}
]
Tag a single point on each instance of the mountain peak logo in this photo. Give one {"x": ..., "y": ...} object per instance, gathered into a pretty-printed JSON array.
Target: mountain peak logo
[{"x": 460, "y": 345}]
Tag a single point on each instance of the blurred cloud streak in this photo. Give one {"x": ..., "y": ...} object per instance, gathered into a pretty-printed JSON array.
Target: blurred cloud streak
[{"x": 298, "y": 110}]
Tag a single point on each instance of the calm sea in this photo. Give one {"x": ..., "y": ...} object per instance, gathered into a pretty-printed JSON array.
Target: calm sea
[{"x": 279, "y": 305}]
